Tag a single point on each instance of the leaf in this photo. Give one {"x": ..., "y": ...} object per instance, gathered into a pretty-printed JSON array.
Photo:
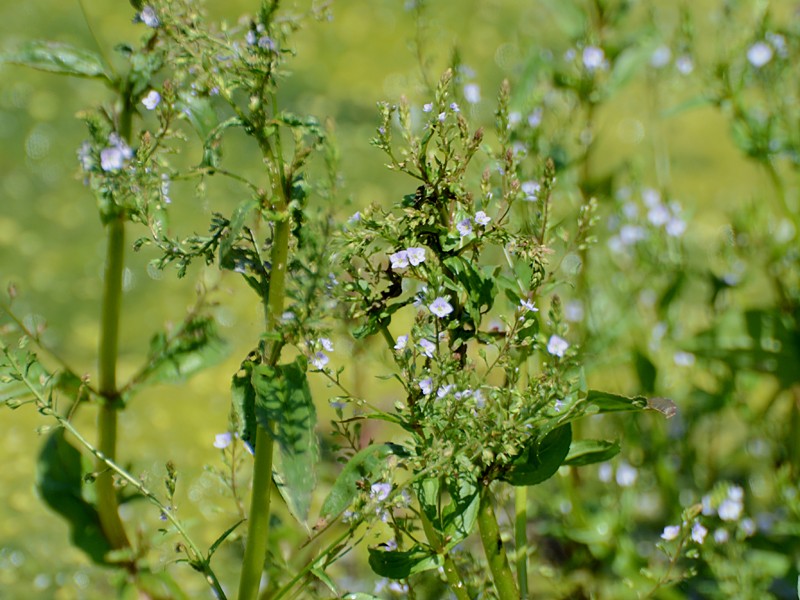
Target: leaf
[
  {"x": 364, "y": 465},
  {"x": 223, "y": 537},
  {"x": 605, "y": 402},
  {"x": 398, "y": 564},
  {"x": 200, "y": 112},
  {"x": 234, "y": 230},
  {"x": 626, "y": 65},
  {"x": 283, "y": 406},
  {"x": 59, "y": 479},
  {"x": 541, "y": 459},
  {"x": 645, "y": 371},
  {"x": 54, "y": 57},
  {"x": 461, "y": 513},
  {"x": 587, "y": 452},
  {"x": 195, "y": 346}
]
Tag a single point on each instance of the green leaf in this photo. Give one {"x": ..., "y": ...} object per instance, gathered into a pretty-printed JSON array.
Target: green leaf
[
  {"x": 400, "y": 564},
  {"x": 626, "y": 65},
  {"x": 364, "y": 465},
  {"x": 587, "y": 452},
  {"x": 157, "y": 585},
  {"x": 541, "y": 458},
  {"x": 481, "y": 291},
  {"x": 645, "y": 371},
  {"x": 53, "y": 57},
  {"x": 283, "y": 406},
  {"x": 234, "y": 230},
  {"x": 195, "y": 346},
  {"x": 605, "y": 402},
  {"x": 223, "y": 537},
  {"x": 59, "y": 480},
  {"x": 461, "y": 513}
]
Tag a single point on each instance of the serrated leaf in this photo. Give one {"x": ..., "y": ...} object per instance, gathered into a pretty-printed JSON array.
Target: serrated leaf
[
  {"x": 541, "y": 458},
  {"x": 399, "y": 564},
  {"x": 587, "y": 452},
  {"x": 59, "y": 480},
  {"x": 364, "y": 465},
  {"x": 195, "y": 346},
  {"x": 60, "y": 58},
  {"x": 283, "y": 406}
]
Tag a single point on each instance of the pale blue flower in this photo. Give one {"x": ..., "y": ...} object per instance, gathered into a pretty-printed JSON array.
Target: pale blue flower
[
  {"x": 454, "y": 107},
  {"x": 380, "y": 491},
  {"x": 481, "y": 218},
  {"x": 671, "y": 532},
  {"x": 402, "y": 340},
  {"x": 319, "y": 360},
  {"x": 593, "y": 58},
  {"x": 660, "y": 57},
  {"x": 531, "y": 190},
  {"x": 626, "y": 475},
  {"x": 759, "y": 54},
  {"x": 535, "y": 118},
  {"x": 148, "y": 17},
  {"x": 426, "y": 385},
  {"x": 440, "y": 307},
  {"x": 472, "y": 93},
  {"x": 464, "y": 227},
  {"x": 399, "y": 259},
  {"x": 428, "y": 348},
  {"x": 427, "y": 107},
  {"x": 684, "y": 64},
  {"x": 113, "y": 157},
  {"x": 415, "y": 256},
  {"x": 442, "y": 116},
  {"x": 326, "y": 344},
  {"x": 151, "y": 100},
  {"x": 222, "y": 440},
  {"x": 699, "y": 533}
]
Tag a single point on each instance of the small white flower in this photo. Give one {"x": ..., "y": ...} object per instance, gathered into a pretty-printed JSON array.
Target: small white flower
[
  {"x": 222, "y": 440},
  {"x": 651, "y": 197},
  {"x": 415, "y": 255},
  {"x": 671, "y": 532},
  {"x": 481, "y": 218},
  {"x": 442, "y": 117},
  {"x": 250, "y": 38},
  {"x": 472, "y": 93},
  {"x": 659, "y": 215},
  {"x": 730, "y": 510},
  {"x": 531, "y": 190},
  {"x": 401, "y": 343},
  {"x": 759, "y": 54},
  {"x": 427, "y": 107},
  {"x": 747, "y": 526},
  {"x": 148, "y": 17},
  {"x": 326, "y": 344},
  {"x": 675, "y": 227},
  {"x": 480, "y": 401},
  {"x": 557, "y": 346},
  {"x": 528, "y": 305},
  {"x": 630, "y": 234},
  {"x": 114, "y": 156},
  {"x": 399, "y": 259},
  {"x": 151, "y": 100},
  {"x": 593, "y": 58},
  {"x": 573, "y": 311},
  {"x": 441, "y": 307},
  {"x": 535, "y": 118},
  {"x": 559, "y": 405},
  {"x": 319, "y": 360},
  {"x": 699, "y": 533},
  {"x": 683, "y": 359},
  {"x": 85, "y": 156},
  {"x": 426, "y": 385},
  {"x": 626, "y": 475},
  {"x": 428, "y": 348},
  {"x": 165, "y": 183},
  {"x": 464, "y": 227},
  {"x": 605, "y": 472},
  {"x": 454, "y": 107},
  {"x": 443, "y": 391}
]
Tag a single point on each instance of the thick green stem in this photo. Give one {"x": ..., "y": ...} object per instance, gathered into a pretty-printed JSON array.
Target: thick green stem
[
  {"x": 107, "y": 505},
  {"x": 451, "y": 572},
  {"x": 521, "y": 538},
  {"x": 494, "y": 549},
  {"x": 258, "y": 531}
]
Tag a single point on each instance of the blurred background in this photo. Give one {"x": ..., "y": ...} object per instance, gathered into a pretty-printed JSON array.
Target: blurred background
[{"x": 652, "y": 134}]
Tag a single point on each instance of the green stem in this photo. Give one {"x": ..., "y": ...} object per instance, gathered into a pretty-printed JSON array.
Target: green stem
[
  {"x": 450, "y": 570},
  {"x": 494, "y": 549},
  {"x": 107, "y": 505},
  {"x": 521, "y": 538},
  {"x": 258, "y": 532}
]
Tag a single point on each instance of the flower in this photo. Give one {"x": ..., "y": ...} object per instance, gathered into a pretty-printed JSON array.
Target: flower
[
  {"x": 759, "y": 54},
  {"x": 222, "y": 440},
  {"x": 250, "y": 38},
  {"x": 415, "y": 255},
  {"x": 454, "y": 107},
  {"x": 481, "y": 218},
  {"x": 326, "y": 344},
  {"x": 559, "y": 404},
  {"x": 557, "y": 346},
  {"x": 699, "y": 533},
  {"x": 730, "y": 510},
  {"x": 444, "y": 390},
  {"x": 399, "y": 259},
  {"x": 671, "y": 532},
  {"x": 85, "y": 156},
  {"x": 148, "y": 17},
  {"x": 604, "y": 472},
  {"x": 428, "y": 348},
  {"x": 660, "y": 57},
  {"x": 319, "y": 360},
  {"x": 684, "y": 64},
  {"x": 675, "y": 227},
  {"x": 442, "y": 116},
  {"x": 380, "y": 491},
  {"x": 151, "y": 100},
  {"x": 535, "y": 118},
  {"x": 531, "y": 190},
  {"x": 472, "y": 93},
  {"x": 440, "y": 307},
  {"x": 573, "y": 311},
  {"x": 401, "y": 343},
  {"x": 683, "y": 359},
  {"x": 528, "y": 305},
  {"x": 427, "y": 107},
  {"x": 426, "y": 385},
  {"x": 721, "y": 536},
  {"x": 113, "y": 157},
  {"x": 165, "y": 183},
  {"x": 593, "y": 58},
  {"x": 464, "y": 227}
]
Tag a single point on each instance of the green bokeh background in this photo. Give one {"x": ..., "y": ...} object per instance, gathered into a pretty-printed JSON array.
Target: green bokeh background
[{"x": 51, "y": 242}]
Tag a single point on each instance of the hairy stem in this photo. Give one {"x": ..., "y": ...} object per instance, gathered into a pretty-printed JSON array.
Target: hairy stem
[{"x": 494, "y": 549}]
